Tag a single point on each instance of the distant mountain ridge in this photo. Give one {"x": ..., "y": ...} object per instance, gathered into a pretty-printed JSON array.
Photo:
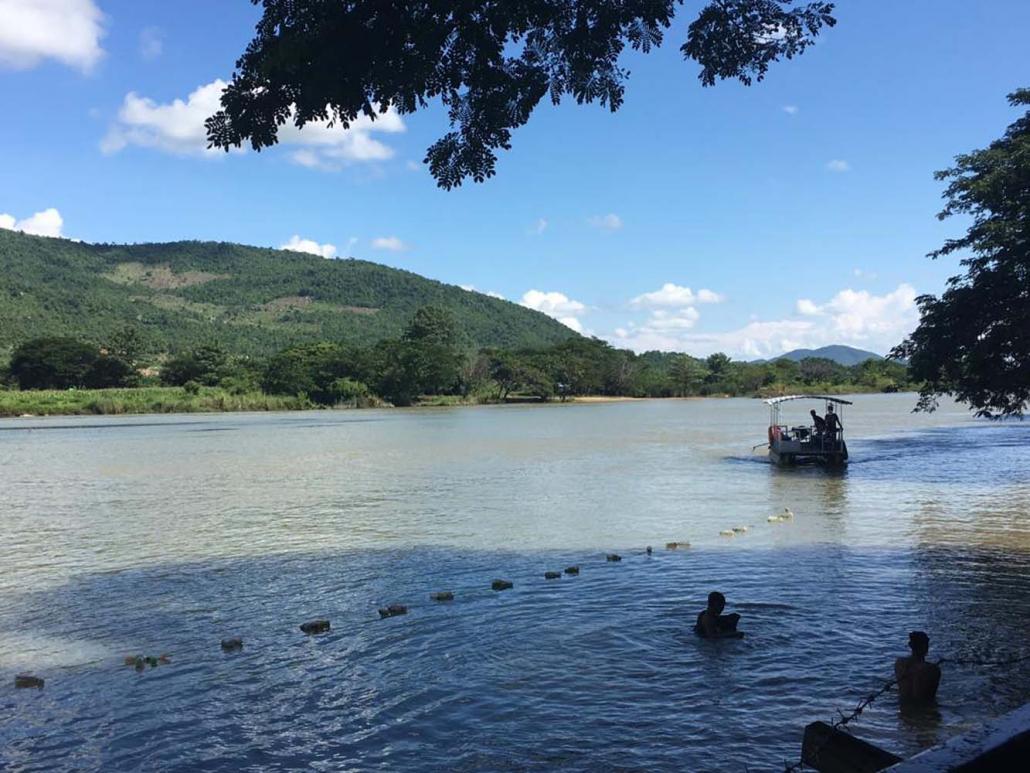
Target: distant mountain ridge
[
  {"x": 839, "y": 353},
  {"x": 250, "y": 300}
]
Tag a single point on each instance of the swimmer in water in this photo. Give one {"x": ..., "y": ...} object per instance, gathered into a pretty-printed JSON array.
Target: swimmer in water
[
  {"x": 712, "y": 624},
  {"x": 917, "y": 679}
]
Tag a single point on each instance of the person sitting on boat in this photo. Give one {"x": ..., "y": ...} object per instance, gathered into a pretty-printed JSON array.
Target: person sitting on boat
[
  {"x": 832, "y": 422},
  {"x": 818, "y": 423},
  {"x": 917, "y": 679},
  {"x": 713, "y": 624}
]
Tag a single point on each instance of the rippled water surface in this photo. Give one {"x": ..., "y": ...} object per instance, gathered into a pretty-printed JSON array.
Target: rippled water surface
[{"x": 165, "y": 534}]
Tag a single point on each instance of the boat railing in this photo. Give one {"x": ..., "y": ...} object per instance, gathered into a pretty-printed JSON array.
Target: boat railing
[{"x": 826, "y": 441}]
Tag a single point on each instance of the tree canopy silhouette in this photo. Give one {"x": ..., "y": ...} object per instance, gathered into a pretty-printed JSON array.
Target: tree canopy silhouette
[
  {"x": 490, "y": 62},
  {"x": 974, "y": 341}
]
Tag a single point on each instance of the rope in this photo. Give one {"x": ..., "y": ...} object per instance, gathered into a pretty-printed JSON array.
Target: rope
[{"x": 888, "y": 686}]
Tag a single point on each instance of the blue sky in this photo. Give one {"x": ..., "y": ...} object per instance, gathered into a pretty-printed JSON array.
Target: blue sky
[{"x": 803, "y": 206}]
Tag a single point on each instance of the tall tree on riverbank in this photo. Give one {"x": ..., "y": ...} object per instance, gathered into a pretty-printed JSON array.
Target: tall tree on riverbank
[
  {"x": 66, "y": 363},
  {"x": 973, "y": 342},
  {"x": 489, "y": 62}
]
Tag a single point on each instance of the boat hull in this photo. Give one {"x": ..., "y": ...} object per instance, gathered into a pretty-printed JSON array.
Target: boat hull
[{"x": 791, "y": 457}]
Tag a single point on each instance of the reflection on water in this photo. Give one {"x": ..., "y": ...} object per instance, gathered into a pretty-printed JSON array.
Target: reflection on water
[{"x": 167, "y": 536}]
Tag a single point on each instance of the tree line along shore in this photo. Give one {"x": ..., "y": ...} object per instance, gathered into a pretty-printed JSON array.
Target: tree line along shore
[{"x": 430, "y": 364}]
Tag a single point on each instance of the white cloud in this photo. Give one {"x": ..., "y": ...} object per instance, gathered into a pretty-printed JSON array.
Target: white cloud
[
  {"x": 854, "y": 317},
  {"x": 539, "y": 226},
  {"x": 790, "y": 109},
  {"x": 674, "y": 296},
  {"x": 663, "y": 321},
  {"x": 307, "y": 158},
  {"x": 334, "y": 147},
  {"x": 609, "y": 222},
  {"x": 709, "y": 296},
  {"x": 663, "y": 330},
  {"x": 672, "y": 313},
  {"x": 46, "y": 223},
  {"x": 807, "y": 307},
  {"x": 838, "y": 165},
  {"x": 66, "y": 30},
  {"x": 174, "y": 127},
  {"x": 296, "y": 244},
  {"x": 413, "y": 166},
  {"x": 151, "y": 44},
  {"x": 389, "y": 243},
  {"x": 557, "y": 305},
  {"x": 860, "y": 315},
  {"x": 869, "y": 275},
  {"x": 178, "y": 127}
]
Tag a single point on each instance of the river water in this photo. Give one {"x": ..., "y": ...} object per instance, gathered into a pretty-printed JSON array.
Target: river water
[{"x": 165, "y": 534}]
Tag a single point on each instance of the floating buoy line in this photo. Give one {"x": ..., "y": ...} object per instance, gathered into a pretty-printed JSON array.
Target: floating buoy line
[{"x": 234, "y": 644}]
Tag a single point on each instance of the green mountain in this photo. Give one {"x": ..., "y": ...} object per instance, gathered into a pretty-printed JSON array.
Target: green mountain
[
  {"x": 843, "y": 355},
  {"x": 250, "y": 300}
]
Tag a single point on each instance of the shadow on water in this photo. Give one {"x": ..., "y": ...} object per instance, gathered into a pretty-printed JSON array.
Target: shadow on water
[{"x": 599, "y": 671}]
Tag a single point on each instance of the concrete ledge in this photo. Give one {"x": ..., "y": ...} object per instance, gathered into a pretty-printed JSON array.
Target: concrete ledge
[{"x": 1001, "y": 744}]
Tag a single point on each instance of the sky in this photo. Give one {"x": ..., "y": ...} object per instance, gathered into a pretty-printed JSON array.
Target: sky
[{"x": 794, "y": 213}]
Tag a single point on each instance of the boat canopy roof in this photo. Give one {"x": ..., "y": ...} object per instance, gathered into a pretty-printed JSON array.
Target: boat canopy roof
[{"x": 827, "y": 398}]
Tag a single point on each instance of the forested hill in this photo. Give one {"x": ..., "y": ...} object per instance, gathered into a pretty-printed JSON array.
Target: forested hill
[
  {"x": 838, "y": 353},
  {"x": 250, "y": 300},
  {"x": 842, "y": 355}
]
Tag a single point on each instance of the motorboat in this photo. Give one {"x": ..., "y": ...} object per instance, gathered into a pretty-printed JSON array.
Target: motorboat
[{"x": 820, "y": 441}]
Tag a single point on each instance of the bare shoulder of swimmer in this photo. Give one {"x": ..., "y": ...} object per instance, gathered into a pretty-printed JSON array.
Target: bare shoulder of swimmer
[
  {"x": 710, "y": 624},
  {"x": 928, "y": 677},
  {"x": 903, "y": 669}
]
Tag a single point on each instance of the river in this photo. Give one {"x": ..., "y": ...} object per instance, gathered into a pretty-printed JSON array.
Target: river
[{"x": 149, "y": 535}]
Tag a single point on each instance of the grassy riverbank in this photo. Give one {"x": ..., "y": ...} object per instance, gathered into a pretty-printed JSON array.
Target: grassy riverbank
[
  {"x": 141, "y": 400},
  {"x": 71, "y": 402}
]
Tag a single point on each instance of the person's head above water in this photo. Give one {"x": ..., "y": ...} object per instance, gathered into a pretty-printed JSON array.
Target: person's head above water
[
  {"x": 716, "y": 602},
  {"x": 919, "y": 643}
]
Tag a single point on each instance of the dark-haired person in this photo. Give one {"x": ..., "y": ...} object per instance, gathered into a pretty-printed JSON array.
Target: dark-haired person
[
  {"x": 832, "y": 423},
  {"x": 818, "y": 424},
  {"x": 917, "y": 679},
  {"x": 713, "y": 624}
]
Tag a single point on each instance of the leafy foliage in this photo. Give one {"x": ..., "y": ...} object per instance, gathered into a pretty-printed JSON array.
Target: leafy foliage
[
  {"x": 314, "y": 370},
  {"x": 206, "y": 365},
  {"x": 421, "y": 366},
  {"x": 490, "y": 63},
  {"x": 66, "y": 363},
  {"x": 144, "y": 301},
  {"x": 433, "y": 325},
  {"x": 974, "y": 341},
  {"x": 140, "y": 400}
]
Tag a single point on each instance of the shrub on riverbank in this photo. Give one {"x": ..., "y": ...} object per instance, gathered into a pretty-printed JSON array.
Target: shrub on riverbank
[
  {"x": 431, "y": 364},
  {"x": 50, "y": 402}
]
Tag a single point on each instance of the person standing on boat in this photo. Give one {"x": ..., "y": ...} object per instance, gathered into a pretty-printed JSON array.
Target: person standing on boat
[
  {"x": 832, "y": 423},
  {"x": 818, "y": 423},
  {"x": 917, "y": 679}
]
